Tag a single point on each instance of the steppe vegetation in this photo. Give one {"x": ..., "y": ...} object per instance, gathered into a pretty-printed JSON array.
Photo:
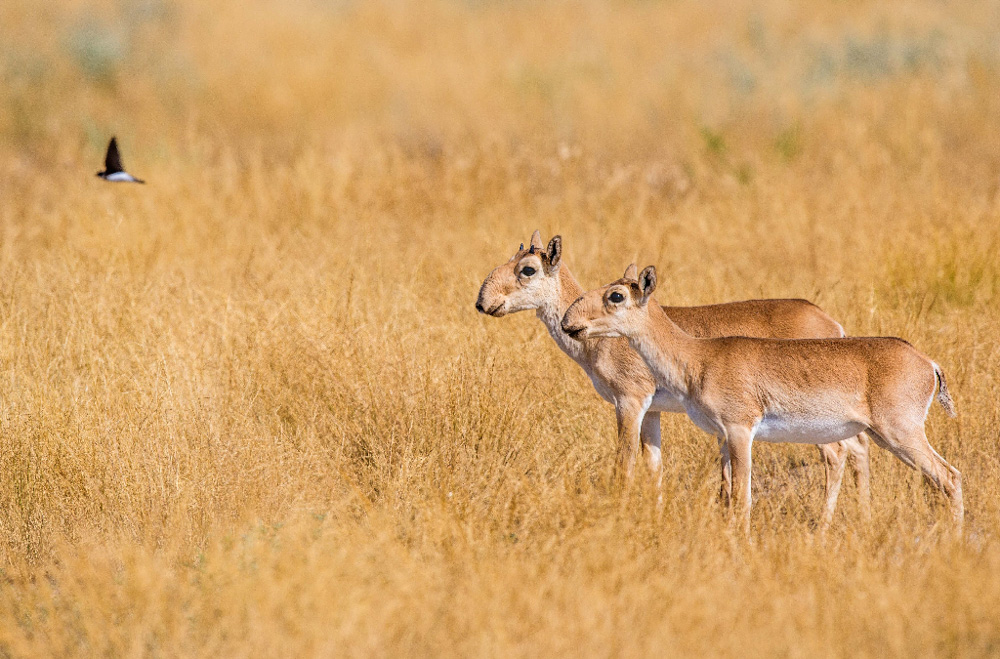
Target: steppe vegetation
[{"x": 249, "y": 409}]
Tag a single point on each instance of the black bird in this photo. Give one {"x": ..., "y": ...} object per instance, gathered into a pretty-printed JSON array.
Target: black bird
[{"x": 113, "y": 170}]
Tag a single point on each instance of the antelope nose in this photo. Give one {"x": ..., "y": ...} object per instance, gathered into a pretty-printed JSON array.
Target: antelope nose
[{"x": 479, "y": 307}]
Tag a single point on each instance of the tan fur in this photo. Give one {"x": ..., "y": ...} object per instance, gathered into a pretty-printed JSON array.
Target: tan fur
[
  {"x": 622, "y": 378},
  {"x": 742, "y": 388}
]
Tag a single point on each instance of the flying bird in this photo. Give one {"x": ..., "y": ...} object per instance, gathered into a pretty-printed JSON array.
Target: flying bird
[{"x": 113, "y": 170}]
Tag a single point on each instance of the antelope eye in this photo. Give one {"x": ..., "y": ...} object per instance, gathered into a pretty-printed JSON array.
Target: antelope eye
[
  {"x": 527, "y": 271},
  {"x": 616, "y": 297}
]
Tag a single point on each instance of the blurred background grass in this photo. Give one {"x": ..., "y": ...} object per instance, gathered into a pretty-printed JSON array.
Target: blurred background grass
[{"x": 249, "y": 408}]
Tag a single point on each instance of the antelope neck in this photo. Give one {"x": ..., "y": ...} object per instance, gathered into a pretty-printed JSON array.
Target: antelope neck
[
  {"x": 672, "y": 354},
  {"x": 552, "y": 311}
]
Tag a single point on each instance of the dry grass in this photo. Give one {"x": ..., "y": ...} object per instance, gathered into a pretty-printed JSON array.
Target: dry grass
[{"x": 249, "y": 409}]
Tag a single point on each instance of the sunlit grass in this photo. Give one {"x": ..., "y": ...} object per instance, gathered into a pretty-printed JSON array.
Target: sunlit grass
[{"x": 249, "y": 409}]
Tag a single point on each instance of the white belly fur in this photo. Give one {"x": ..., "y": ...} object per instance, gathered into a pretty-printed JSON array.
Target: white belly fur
[
  {"x": 664, "y": 401},
  {"x": 805, "y": 429}
]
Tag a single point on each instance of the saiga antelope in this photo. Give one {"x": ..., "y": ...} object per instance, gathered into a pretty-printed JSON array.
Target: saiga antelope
[
  {"x": 806, "y": 391},
  {"x": 537, "y": 278}
]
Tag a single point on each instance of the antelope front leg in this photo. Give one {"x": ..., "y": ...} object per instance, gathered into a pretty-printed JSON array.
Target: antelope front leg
[
  {"x": 650, "y": 436},
  {"x": 740, "y": 441},
  {"x": 629, "y": 415},
  {"x": 726, "y": 487}
]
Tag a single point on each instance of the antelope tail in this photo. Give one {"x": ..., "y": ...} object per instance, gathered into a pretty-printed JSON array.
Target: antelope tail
[{"x": 943, "y": 396}]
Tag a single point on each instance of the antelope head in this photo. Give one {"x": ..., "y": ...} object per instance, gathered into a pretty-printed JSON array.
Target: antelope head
[
  {"x": 614, "y": 310},
  {"x": 529, "y": 280}
]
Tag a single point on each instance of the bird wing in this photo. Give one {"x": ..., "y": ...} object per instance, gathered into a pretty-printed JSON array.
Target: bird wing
[{"x": 113, "y": 161}]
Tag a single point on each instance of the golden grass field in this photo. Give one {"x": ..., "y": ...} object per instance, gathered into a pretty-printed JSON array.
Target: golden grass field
[{"x": 249, "y": 409}]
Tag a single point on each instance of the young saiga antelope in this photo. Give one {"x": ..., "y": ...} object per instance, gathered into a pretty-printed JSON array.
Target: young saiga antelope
[
  {"x": 805, "y": 391},
  {"x": 537, "y": 278}
]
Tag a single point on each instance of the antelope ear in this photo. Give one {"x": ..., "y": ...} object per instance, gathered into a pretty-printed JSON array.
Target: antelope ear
[
  {"x": 554, "y": 252},
  {"x": 631, "y": 272},
  {"x": 536, "y": 241},
  {"x": 647, "y": 283}
]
